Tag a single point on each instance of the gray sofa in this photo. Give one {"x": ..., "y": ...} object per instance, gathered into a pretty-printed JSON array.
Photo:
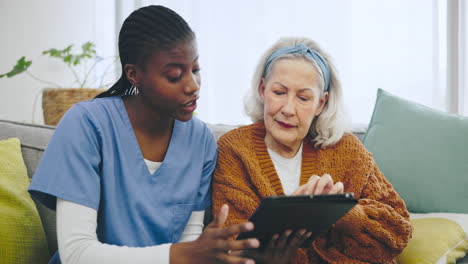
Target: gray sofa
[{"x": 34, "y": 139}]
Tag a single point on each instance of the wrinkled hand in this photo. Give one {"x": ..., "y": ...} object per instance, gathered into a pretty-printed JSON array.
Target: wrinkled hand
[
  {"x": 213, "y": 245},
  {"x": 280, "y": 249},
  {"x": 320, "y": 185}
]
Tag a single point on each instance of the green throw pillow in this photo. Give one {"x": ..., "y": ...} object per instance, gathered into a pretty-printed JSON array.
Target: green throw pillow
[
  {"x": 437, "y": 238},
  {"x": 422, "y": 152},
  {"x": 22, "y": 238}
]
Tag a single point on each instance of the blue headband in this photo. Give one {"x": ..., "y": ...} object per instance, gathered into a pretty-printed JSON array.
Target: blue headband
[{"x": 303, "y": 50}]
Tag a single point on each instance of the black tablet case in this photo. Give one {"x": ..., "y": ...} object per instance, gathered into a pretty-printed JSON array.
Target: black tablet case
[{"x": 314, "y": 213}]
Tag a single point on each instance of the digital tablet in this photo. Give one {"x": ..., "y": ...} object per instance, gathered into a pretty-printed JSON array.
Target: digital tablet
[{"x": 314, "y": 213}]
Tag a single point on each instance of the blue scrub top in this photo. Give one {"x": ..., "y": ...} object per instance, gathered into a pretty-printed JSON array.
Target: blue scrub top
[{"x": 94, "y": 159}]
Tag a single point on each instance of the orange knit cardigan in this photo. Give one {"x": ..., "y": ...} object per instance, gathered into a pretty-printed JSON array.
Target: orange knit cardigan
[{"x": 375, "y": 231}]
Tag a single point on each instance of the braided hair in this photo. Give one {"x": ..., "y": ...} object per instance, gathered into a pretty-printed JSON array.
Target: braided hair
[{"x": 145, "y": 30}]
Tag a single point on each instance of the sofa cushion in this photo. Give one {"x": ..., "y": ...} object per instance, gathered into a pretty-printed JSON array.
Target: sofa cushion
[
  {"x": 34, "y": 139},
  {"x": 422, "y": 152},
  {"x": 22, "y": 235},
  {"x": 437, "y": 238}
]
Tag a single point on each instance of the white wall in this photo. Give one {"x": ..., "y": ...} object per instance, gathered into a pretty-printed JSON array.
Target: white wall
[
  {"x": 27, "y": 28},
  {"x": 464, "y": 56}
]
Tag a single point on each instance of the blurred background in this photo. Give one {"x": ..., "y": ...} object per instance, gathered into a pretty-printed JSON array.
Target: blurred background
[{"x": 416, "y": 49}]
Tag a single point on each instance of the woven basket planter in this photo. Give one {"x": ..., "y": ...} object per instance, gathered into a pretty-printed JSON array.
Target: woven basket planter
[{"x": 55, "y": 102}]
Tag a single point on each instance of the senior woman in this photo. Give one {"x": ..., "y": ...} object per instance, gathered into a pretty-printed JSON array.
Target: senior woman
[{"x": 298, "y": 145}]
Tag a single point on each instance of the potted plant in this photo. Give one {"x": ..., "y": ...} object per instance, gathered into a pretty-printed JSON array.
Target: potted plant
[{"x": 57, "y": 100}]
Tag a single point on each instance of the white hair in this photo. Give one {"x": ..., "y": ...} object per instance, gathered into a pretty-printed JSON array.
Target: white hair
[{"x": 330, "y": 125}]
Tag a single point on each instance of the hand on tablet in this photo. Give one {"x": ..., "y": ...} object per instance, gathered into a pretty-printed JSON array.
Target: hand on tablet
[
  {"x": 320, "y": 185},
  {"x": 213, "y": 245},
  {"x": 280, "y": 249}
]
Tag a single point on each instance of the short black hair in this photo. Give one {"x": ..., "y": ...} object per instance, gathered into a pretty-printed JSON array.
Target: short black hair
[{"x": 145, "y": 30}]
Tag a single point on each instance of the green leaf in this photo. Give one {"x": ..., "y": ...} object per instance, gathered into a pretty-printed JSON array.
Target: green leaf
[
  {"x": 76, "y": 60},
  {"x": 53, "y": 53},
  {"x": 67, "y": 49},
  {"x": 21, "y": 66},
  {"x": 68, "y": 59},
  {"x": 88, "y": 46}
]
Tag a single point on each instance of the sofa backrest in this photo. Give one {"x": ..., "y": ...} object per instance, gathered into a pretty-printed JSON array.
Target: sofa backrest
[{"x": 219, "y": 129}]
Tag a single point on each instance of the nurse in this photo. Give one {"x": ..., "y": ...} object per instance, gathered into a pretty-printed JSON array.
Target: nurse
[{"x": 129, "y": 172}]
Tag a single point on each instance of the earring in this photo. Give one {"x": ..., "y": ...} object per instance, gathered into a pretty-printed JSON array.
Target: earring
[{"x": 133, "y": 90}]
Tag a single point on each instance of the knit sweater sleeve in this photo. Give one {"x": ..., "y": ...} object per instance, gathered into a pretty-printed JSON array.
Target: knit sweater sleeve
[
  {"x": 376, "y": 230},
  {"x": 232, "y": 185}
]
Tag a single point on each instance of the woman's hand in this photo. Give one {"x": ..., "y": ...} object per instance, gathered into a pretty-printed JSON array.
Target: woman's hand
[
  {"x": 320, "y": 185},
  {"x": 213, "y": 245},
  {"x": 280, "y": 250}
]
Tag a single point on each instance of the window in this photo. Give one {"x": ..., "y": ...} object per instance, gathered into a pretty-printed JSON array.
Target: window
[{"x": 396, "y": 45}]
